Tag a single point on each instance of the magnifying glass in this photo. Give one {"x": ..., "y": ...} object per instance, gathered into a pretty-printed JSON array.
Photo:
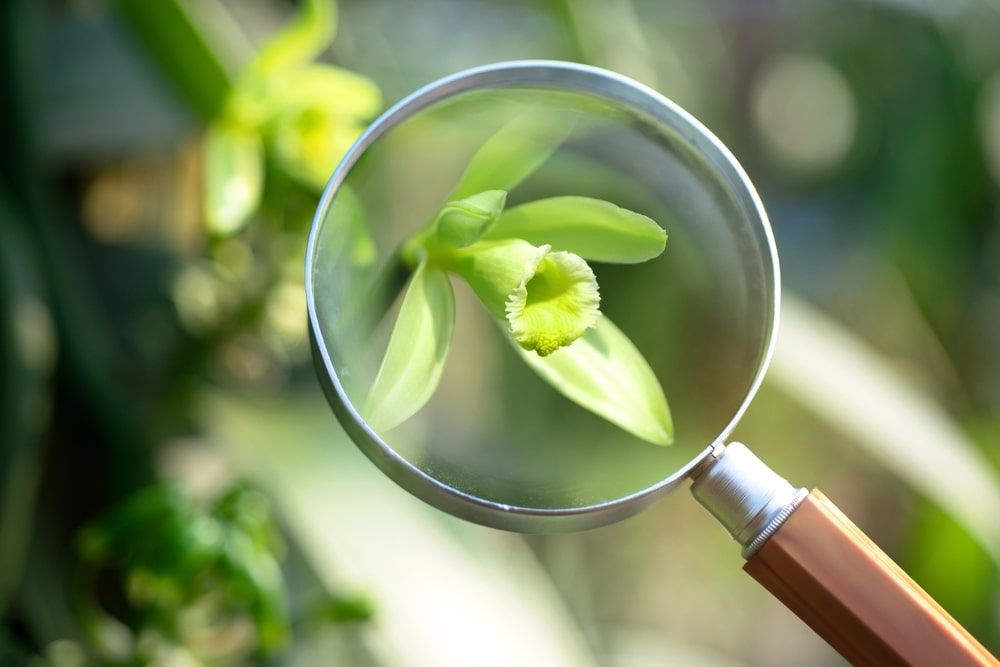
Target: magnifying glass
[{"x": 603, "y": 374}]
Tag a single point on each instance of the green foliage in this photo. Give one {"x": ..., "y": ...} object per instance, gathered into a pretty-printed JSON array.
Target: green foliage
[
  {"x": 27, "y": 343},
  {"x": 511, "y": 155},
  {"x": 202, "y": 579},
  {"x": 305, "y": 37},
  {"x": 462, "y": 223},
  {"x": 591, "y": 228},
  {"x": 176, "y": 557},
  {"x": 171, "y": 34},
  {"x": 913, "y": 193},
  {"x": 234, "y": 176},
  {"x": 304, "y": 114},
  {"x": 605, "y": 373},
  {"x": 527, "y": 266},
  {"x": 414, "y": 360}
]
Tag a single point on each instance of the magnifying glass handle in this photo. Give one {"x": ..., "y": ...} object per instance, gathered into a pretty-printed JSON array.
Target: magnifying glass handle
[
  {"x": 810, "y": 556},
  {"x": 833, "y": 577}
]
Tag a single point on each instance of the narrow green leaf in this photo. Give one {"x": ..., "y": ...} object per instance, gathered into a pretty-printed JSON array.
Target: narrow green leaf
[
  {"x": 418, "y": 347},
  {"x": 186, "y": 41},
  {"x": 591, "y": 228},
  {"x": 28, "y": 347},
  {"x": 461, "y": 223},
  {"x": 512, "y": 154},
  {"x": 233, "y": 176},
  {"x": 301, "y": 40},
  {"x": 605, "y": 373}
]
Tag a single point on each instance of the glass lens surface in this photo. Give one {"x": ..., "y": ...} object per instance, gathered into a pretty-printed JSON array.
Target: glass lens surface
[{"x": 699, "y": 313}]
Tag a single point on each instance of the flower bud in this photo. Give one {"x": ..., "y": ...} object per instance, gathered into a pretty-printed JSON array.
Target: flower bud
[{"x": 461, "y": 223}]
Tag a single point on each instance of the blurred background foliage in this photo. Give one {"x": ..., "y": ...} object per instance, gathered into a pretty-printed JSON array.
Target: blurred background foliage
[{"x": 174, "y": 490}]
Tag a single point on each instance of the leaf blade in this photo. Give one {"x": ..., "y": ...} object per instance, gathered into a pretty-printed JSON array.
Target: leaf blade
[
  {"x": 591, "y": 228},
  {"x": 604, "y": 372},
  {"x": 418, "y": 347}
]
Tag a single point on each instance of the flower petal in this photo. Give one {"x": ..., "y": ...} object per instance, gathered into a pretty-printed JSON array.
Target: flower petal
[
  {"x": 302, "y": 39},
  {"x": 556, "y": 305},
  {"x": 418, "y": 348},
  {"x": 591, "y": 228},
  {"x": 495, "y": 269},
  {"x": 512, "y": 154},
  {"x": 308, "y": 143},
  {"x": 605, "y": 373},
  {"x": 233, "y": 176}
]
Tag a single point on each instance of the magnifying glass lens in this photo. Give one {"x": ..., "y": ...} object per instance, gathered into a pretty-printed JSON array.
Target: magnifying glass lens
[{"x": 700, "y": 313}]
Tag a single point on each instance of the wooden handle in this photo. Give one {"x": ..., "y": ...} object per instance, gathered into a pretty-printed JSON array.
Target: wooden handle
[{"x": 823, "y": 568}]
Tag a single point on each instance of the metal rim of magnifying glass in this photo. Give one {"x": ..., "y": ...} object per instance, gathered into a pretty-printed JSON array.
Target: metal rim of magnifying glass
[{"x": 557, "y": 75}]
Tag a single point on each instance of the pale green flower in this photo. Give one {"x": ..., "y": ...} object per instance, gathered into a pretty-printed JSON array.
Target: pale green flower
[
  {"x": 547, "y": 299},
  {"x": 462, "y": 223},
  {"x": 309, "y": 143},
  {"x": 233, "y": 176},
  {"x": 556, "y": 305},
  {"x": 304, "y": 114},
  {"x": 528, "y": 267},
  {"x": 457, "y": 225},
  {"x": 317, "y": 112}
]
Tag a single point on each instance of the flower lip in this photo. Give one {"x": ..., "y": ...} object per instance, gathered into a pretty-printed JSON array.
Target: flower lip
[
  {"x": 546, "y": 299},
  {"x": 554, "y": 304}
]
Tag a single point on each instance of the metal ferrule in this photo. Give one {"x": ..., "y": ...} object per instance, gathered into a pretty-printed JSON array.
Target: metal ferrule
[{"x": 747, "y": 497}]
